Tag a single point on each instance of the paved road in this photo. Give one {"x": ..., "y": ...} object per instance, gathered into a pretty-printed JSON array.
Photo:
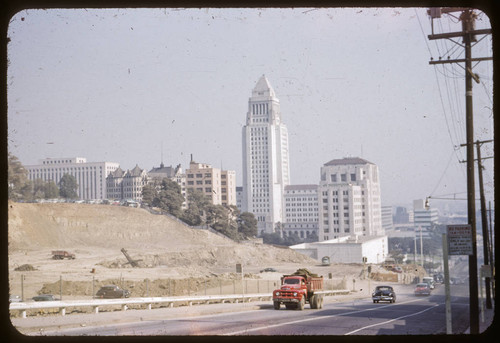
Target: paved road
[{"x": 410, "y": 315}]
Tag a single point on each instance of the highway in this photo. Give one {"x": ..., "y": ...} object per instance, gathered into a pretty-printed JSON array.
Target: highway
[{"x": 410, "y": 315}]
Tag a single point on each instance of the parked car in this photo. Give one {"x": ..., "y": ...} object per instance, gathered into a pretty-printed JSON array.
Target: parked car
[
  {"x": 422, "y": 289},
  {"x": 45, "y": 297},
  {"x": 384, "y": 293},
  {"x": 112, "y": 291},
  {"x": 268, "y": 270}
]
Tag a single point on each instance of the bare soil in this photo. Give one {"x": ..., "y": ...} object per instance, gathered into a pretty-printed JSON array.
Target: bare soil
[{"x": 167, "y": 250}]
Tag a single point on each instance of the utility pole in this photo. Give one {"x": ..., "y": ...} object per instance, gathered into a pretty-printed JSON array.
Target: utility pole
[
  {"x": 468, "y": 33},
  {"x": 484, "y": 224}
]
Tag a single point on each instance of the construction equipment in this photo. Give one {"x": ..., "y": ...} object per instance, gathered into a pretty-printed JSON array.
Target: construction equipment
[
  {"x": 61, "y": 254},
  {"x": 132, "y": 262}
]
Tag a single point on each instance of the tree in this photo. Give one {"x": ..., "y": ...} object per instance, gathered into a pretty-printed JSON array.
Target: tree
[
  {"x": 247, "y": 224},
  {"x": 68, "y": 187},
  {"x": 149, "y": 193},
  {"x": 169, "y": 198},
  {"x": 51, "y": 191},
  {"x": 195, "y": 214},
  {"x": 19, "y": 185}
]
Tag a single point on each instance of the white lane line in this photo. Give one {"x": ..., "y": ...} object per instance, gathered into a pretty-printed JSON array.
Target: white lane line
[
  {"x": 388, "y": 321},
  {"x": 309, "y": 319}
]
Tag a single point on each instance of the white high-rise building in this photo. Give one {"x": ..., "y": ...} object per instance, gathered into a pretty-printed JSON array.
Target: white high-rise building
[
  {"x": 349, "y": 199},
  {"x": 266, "y": 169}
]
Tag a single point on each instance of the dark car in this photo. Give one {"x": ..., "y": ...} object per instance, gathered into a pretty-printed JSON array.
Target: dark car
[
  {"x": 112, "y": 291},
  {"x": 44, "y": 297},
  {"x": 384, "y": 293},
  {"x": 270, "y": 270},
  {"x": 422, "y": 289}
]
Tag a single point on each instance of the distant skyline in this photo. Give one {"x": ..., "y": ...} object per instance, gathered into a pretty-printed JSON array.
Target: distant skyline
[{"x": 135, "y": 85}]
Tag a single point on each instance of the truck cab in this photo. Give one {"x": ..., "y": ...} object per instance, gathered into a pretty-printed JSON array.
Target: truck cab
[{"x": 296, "y": 290}]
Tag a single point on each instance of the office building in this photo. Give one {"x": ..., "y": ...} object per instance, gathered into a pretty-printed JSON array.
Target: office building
[
  {"x": 219, "y": 186},
  {"x": 266, "y": 169},
  {"x": 126, "y": 185},
  {"x": 301, "y": 211},
  {"x": 349, "y": 199},
  {"x": 90, "y": 176}
]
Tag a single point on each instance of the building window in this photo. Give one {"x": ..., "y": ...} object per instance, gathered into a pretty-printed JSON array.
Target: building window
[
  {"x": 333, "y": 177},
  {"x": 343, "y": 177},
  {"x": 353, "y": 177}
]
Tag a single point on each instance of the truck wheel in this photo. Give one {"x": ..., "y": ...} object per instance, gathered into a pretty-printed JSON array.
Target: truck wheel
[
  {"x": 313, "y": 302},
  {"x": 320, "y": 301},
  {"x": 276, "y": 305},
  {"x": 289, "y": 306},
  {"x": 300, "y": 305}
]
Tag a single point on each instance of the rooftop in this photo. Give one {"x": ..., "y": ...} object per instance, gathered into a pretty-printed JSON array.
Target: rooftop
[{"x": 347, "y": 160}]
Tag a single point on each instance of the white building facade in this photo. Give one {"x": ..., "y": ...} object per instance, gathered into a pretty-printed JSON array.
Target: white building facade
[
  {"x": 301, "y": 211},
  {"x": 347, "y": 249},
  {"x": 423, "y": 218},
  {"x": 266, "y": 169},
  {"x": 90, "y": 176},
  {"x": 349, "y": 199}
]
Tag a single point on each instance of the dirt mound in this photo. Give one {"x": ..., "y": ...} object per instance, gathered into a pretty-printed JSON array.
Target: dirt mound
[
  {"x": 157, "y": 240},
  {"x": 25, "y": 268}
]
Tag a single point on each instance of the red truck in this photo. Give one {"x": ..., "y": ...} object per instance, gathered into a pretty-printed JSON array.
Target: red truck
[
  {"x": 61, "y": 254},
  {"x": 298, "y": 289}
]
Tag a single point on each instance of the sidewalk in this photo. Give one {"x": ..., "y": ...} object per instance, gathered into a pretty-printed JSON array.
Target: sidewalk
[{"x": 488, "y": 321}]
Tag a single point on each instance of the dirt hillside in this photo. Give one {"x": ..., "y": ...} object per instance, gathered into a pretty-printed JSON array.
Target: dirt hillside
[{"x": 156, "y": 239}]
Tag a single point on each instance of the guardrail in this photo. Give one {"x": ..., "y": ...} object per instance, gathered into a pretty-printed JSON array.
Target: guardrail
[{"x": 62, "y": 305}]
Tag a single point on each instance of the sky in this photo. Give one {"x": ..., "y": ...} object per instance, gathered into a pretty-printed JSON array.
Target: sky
[{"x": 145, "y": 86}]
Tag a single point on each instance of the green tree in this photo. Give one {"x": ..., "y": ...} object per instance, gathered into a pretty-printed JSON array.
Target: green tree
[
  {"x": 149, "y": 193},
  {"x": 247, "y": 224},
  {"x": 195, "y": 214},
  {"x": 169, "y": 197},
  {"x": 19, "y": 187},
  {"x": 68, "y": 187},
  {"x": 51, "y": 191}
]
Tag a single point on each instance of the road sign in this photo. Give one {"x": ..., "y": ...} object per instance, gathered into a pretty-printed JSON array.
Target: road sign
[{"x": 459, "y": 240}]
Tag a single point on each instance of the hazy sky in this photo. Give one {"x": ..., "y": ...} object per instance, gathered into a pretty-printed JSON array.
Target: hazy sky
[{"x": 117, "y": 85}]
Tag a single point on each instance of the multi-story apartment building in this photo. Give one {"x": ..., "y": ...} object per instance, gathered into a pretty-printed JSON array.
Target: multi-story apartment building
[
  {"x": 90, "y": 176},
  {"x": 174, "y": 174},
  {"x": 126, "y": 185},
  {"x": 266, "y": 169},
  {"x": 349, "y": 199},
  {"x": 219, "y": 186},
  {"x": 228, "y": 187},
  {"x": 301, "y": 211}
]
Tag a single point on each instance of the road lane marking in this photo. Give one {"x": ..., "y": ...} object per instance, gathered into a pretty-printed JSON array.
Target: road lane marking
[
  {"x": 310, "y": 319},
  {"x": 388, "y": 321}
]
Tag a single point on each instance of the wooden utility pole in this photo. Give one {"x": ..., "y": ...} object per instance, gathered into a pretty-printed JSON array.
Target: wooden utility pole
[
  {"x": 484, "y": 223},
  {"x": 468, "y": 33}
]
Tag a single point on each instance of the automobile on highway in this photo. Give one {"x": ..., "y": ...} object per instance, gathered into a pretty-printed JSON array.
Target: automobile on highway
[
  {"x": 384, "y": 293},
  {"x": 422, "y": 289},
  {"x": 111, "y": 292},
  {"x": 429, "y": 280},
  {"x": 44, "y": 297}
]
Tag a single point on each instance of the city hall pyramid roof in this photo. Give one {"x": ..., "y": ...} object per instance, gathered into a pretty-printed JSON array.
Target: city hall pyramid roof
[{"x": 263, "y": 88}]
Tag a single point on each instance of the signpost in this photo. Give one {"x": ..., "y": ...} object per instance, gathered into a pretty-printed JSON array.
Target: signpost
[{"x": 459, "y": 240}]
